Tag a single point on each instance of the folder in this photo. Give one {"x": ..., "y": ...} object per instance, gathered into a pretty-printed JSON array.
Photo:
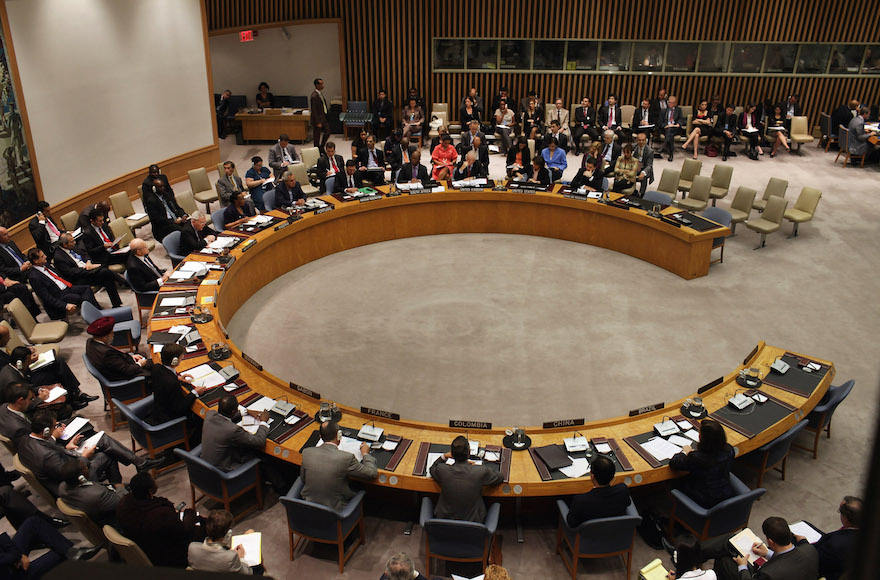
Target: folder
[{"x": 553, "y": 456}]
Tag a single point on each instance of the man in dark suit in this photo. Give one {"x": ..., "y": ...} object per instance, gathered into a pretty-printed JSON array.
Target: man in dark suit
[
  {"x": 318, "y": 109},
  {"x": 228, "y": 183},
  {"x": 399, "y": 155},
  {"x": 469, "y": 168},
  {"x": 282, "y": 154},
  {"x": 59, "y": 296},
  {"x": 726, "y": 128},
  {"x": 645, "y": 155},
  {"x": 604, "y": 500},
  {"x": 461, "y": 484},
  {"x": 85, "y": 219},
  {"x": 114, "y": 364},
  {"x": 169, "y": 402},
  {"x": 73, "y": 264},
  {"x": 35, "y": 534},
  {"x": 326, "y": 469},
  {"x": 556, "y": 132},
  {"x": 328, "y": 166},
  {"x": 610, "y": 153},
  {"x": 221, "y": 109},
  {"x": 671, "y": 122},
  {"x": 588, "y": 176},
  {"x": 97, "y": 500},
  {"x": 11, "y": 289},
  {"x": 371, "y": 162},
  {"x": 97, "y": 240},
  {"x": 843, "y": 114},
  {"x": 383, "y": 114},
  {"x": 349, "y": 180},
  {"x": 13, "y": 264},
  {"x": 154, "y": 173},
  {"x": 782, "y": 559},
  {"x": 165, "y": 214},
  {"x": 858, "y": 143},
  {"x": 15, "y": 424},
  {"x": 288, "y": 192},
  {"x": 144, "y": 274},
  {"x": 414, "y": 171},
  {"x": 584, "y": 124},
  {"x": 609, "y": 117},
  {"x": 792, "y": 107},
  {"x": 468, "y": 136},
  {"x": 837, "y": 548},
  {"x": 195, "y": 234},
  {"x": 44, "y": 230},
  {"x": 480, "y": 150}
]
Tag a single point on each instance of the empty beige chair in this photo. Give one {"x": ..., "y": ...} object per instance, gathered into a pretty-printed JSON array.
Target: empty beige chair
[
  {"x": 627, "y": 112},
  {"x": 202, "y": 189},
  {"x": 741, "y": 207},
  {"x": 130, "y": 552},
  {"x": 187, "y": 202},
  {"x": 698, "y": 196},
  {"x": 669, "y": 182},
  {"x": 771, "y": 220},
  {"x": 32, "y": 480},
  {"x": 800, "y": 132},
  {"x": 123, "y": 209},
  {"x": 299, "y": 170},
  {"x": 721, "y": 176},
  {"x": 16, "y": 341},
  {"x": 804, "y": 208},
  {"x": 775, "y": 187},
  {"x": 309, "y": 156},
  {"x": 36, "y": 332},
  {"x": 120, "y": 228},
  {"x": 68, "y": 220},
  {"x": 83, "y": 522},
  {"x": 689, "y": 169}
]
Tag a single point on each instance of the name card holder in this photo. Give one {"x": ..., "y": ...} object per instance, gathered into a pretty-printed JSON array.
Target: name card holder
[
  {"x": 325, "y": 209},
  {"x": 381, "y": 414},
  {"x": 307, "y": 392},
  {"x": 563, "y": 423},
  {"x": 646, "y": 409},
  {"x": 251, "y": 361},
  {"x": 462, "y": 424}
]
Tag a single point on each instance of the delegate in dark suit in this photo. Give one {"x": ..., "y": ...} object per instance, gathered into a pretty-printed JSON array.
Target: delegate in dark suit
[
  {"x": 382, "y": 109},
  {"x": 97, "y": 500},
  {"x": 114, "y": 364},
  {"x": 406, "y": 174},
  {"x": 226, "y": 445},
  {"x": 375, "y": 172},
  {"x": 461, "y": 489},
  {"x": 33, "y": 534},
  {"x": 835, "y": 549},
  {"x": 192, "y": 240},
  {"x": 600, "y": 502},
  {"x": 610, "y": 153},
  {"x": 54, "y": 299},
  {"x": 324, "y": 165},
  {"x": 396, "y": 159},
  {"x": 709, "y": 481},
  {"x": 285, "y": 196},
  {"x": 57, "y": 371},
  {"x": 482, "y": 155},
  {"x": 325, "y": 473},
  {"x": 142, "y": 277},
  {"x": 605, "y": 117},
  {"x": 467, "y": 138},
  {"x": 226, "y": 185},
  {"x": 93, "y": 243},
  {"x": 156, "y": 527},
  {"x": 318, "y": 107},
  {"x": 20, "y": 291},
  {"x": 344, "y": 180},
  {"x": 800, "y": 563},
  {"x": 11, "y": 260},
  {"x": 726, "y": 128},
  {"x": 83, "y": 220},
  {"x": 163, "y": 211},
  {"x": 672, "y": 116},
  {"x": 842, "y": 115},
  {"x": 596, "y": 180},
  {"x": 465, "y": 171},
  {"x": 71, "y": 265},
  {"x": 41, "y": 235},
  {"x": 169, "y": 402},
  {"x": 645, "y": 157},
  {"x": 46, "y": 458},
  {"x": 584, "y": 124},
  {"x": 13, "y": 425}
]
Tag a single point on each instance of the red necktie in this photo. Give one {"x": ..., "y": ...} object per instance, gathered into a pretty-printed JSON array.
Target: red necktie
[
  {"x": 670, "y": 116},
  {"x": 52, "y": 227},
  {"x": 59, "y": 278},
  {"x": 333, "y": 162},
  {"x": 405, "y": 156},
  {"x": 103, "y": 235},
  {"x": 611, "y": 117}
]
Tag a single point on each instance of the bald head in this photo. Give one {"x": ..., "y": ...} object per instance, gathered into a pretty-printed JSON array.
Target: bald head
[
  {"x": 104, "y": 206},
  {"x": 139, "y": 247}
]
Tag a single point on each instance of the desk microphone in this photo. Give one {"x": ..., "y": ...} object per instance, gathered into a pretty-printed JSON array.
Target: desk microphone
[{"x": 283, "y": 408}]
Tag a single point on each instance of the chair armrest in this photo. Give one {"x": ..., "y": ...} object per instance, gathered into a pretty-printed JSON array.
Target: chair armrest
[
  {"x": 295, "y": 489},
  {"x": 689, "y": 504},
  {"x": 125, "y": 383},
  {"x": 165, "y": 425},
  {"x": 241, "y": 469},
  {"x": 492, "y": 517},
  {"x": 143, "y": 407},
  {"x": 352, "y": 505},
  {"x": 563, "y": 511},
  {"x": 427, "y": 511},
  {"x": 120, "y": 314}
]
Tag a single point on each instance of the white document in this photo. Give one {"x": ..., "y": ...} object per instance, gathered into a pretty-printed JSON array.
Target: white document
[
  {"x": 73, "y": 427},
  {"x": 438, "y": 189},
  {"x": 173, "y": 301},
  {"x": 137, "y": 216},
  {"x": 492, "y": 456},
  {"x": 594, "y": 195},
  {"x": 752, "y": 130},
  {"x": 457, "y": 577},
  {"x": 45, "y": 358},
  {"x": 493, "y": 149},
  {"x": 408, "y": 186},
  {"x": 679, "y": 440},
  {"x": 470, "y": 183},
  {"x": 199, "y": 371},
  {"x": 660, "y": 448},
  {"x": 389, "y": 445},
  {"x": 77, "y": 232},
  {"x": 90, "y": 442},
  {"x": 291, "y": 419},
  {"x": 56, "y": 393},
  {"x": 473, "y": 448},
  {"x": 181, "y": 275},
  {"x": 579, "y": 467},
  {"x": 262, "y": 404},
  {"x": 432, "y": 458},
  {"x": 213, "y": 379},
  {"x": 253, "y": 553},
  {"x": 806, "y": 530},
  {"x": 270, "y": 179},
  {"x": 693, "y": 434},
  {"x": 684, "y": 425},
  {"x": 603, "y": 448},
  {"x": 180, "y": 329},
  {"x": 222, "y": 242},
  {"x": 193, "y": 266},
  {"x": 743, "y": 542}
]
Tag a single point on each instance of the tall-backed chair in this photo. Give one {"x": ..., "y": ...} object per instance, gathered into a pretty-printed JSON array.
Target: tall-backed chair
[
  {"x": 68, "y": 220},
  {"x": 669, "y": 181},
  {"x": 804, "y": 208},
  {"x": 171, "y": 242},
  {"x": 36, "y": 332},
  {"x": 187, "y": 202},
  {"x": 355, "y": 116},
  {"x": 122, "y": 208},
  {"x": 657, "y": 197},
  {"x": 219, "y": 485},
  {"x": 599, "y": 538},
  {"x": 843, "y": 138},
  {"x": 299, "y": 170},
  {"x": 819, "y": 418},
  {"x": 731, "y": 515},
  {"x": 770, "y": 221},
  {"x": 202, "y": 190},
  {"x": 31, "y": 479},
  {"x": 217, "y": 220},
  {"x": 15, "y": 341},
  {"x": 698, "y": 195},
  {"x": 126, "y": 330},
  {"x": 130, "y": 552},
  {"x": 800, "y": 132},
  {"x": 120, "y": 229},
  {"x": 721, "y": 216},
  {"x": 269, "y": 199},
  {"x": 721, "y": 176},
  {"x": 310, "y": 156},
  {"x": 83, "y": 522},
  {"x": 776, "y": 187},
  {"x": 154, "y": 439},
  {"x": 627, "y": 112},
  {"x": 318, "y": 523},
  {"x": 773, "y": 455},
  {"x": 828, "y": 134},
  {"x": 145, "y": 300},
  {"x": 456, "y": 540},
  {"x": 689, "y": 169},
  {"x": 127, "y": 391}
]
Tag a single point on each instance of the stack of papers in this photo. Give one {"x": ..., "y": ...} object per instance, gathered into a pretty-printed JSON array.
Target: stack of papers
[
  {"x": 389, "y": 445},
  {"x": 261, "y": 404},
  {"x": 43, "y": 360},
  {"x": 56, "y": 393},
  {"x": 680, "y": 441},
  {"x": 314, "y": 202},
  {"x": 660, "y": 448},
  {"x": 579, "y": 467},
  {"x": 744, "y": 541},
  {"x": 350, "y": 445},
  {"x": 409, "y": 186},
  {"x": 492, "y": 456},
  {"x": 222, "y": 242},
  {"x": 603, "y": 448},
  {"x": 252, "y": 544},
  {"x": 195, "y": 267},
  {"x": 90, "y": 442},
  {"x": 136, "y": 216},
  {"x": 806, "y": 530},
  {"x": 257, "y": 220},
  {"x": 205, "y": 376},
  {"x": 471, "y": 183},
  {"x": 178, "y": 301},
  {"x": 74, "y": 426},
  {"x": 433, "y": 457}
]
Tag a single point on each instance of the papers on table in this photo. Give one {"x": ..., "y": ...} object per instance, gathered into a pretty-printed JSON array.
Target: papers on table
[
  {"x": 74, "y": 426},
  {"x": 579, "y": 467},
  {"x": 262, "y": 404},
  {"x": 181, "y": 275},
  {"x": 679, "y": 440},
  {"x": 804, "y": 529},
  {"x": 408, "y": 186},
  {"x": 660, "y": 448},
  {"x": 471, "y": 183},
  {"x": 257, "y": 220},
  {"x": 45, "y": 359},
  {"x": 743, "y": 542},
  {"x": 197, "y": 268},
  {"x": 433, "y": 457},
  {"x": 389, "y": 445},
  {"x": 179, "y": 329},
  {"x": 693, "y": 434},
  {"x": 349, "y": 445},
  {"x": 253, "y": 552},
  {"x": 492, "y": 456},
  {"x": 684, "y": 425},
  {"x": 90, "y": 442},
  {"x": 222, "y": 242},
  {"x": 205, "y": 376},
  {"x": 137, "y": 216},
  {"x": 314, "y": 202},
  {"x": 56, "y": 393},
  {"x": 178, "y": 301},
  {"x": 603, "y": 448},
  {"x": 291, "y": 419}
]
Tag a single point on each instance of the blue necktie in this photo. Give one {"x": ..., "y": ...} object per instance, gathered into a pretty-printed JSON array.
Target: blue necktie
[{"x": 18, "y": 258}]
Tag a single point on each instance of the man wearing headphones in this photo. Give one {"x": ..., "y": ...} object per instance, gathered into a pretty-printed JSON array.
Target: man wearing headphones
[
  {"x": 165, "y": 214},
  {"x": 153, "y": 174},
  {"x": 169, "y": 402},
  {"x": 97, "y": 500}
]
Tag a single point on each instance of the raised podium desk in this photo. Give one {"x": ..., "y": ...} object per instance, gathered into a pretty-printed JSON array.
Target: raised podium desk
[
  {"x": 267, "y": 127},
  {"x": 351, "y": 224}
]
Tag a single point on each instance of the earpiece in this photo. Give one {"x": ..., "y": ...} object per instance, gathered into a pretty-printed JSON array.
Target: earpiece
[
  {"x": 154, "y": 189},
  {"x": 19, "y": 365},
  {"x": 46, "y": 432},
  {"x": 82, "y": 479},
  {"x": 175, "y": 361},
  {"x": 227, "y": 539}
]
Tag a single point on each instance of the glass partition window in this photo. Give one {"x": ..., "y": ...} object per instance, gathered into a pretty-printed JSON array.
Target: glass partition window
[
  {"x": 448, "y": 54},
  {"x": 516, "y": 54},
  {"x": 714, "y": 57},
  {"x": 649, "y": 56},
  {"x": 550, "y": 55},
  {"x": 780, "y": 58},
  {"x": 582, "y": 55},
  {"x": 812, "y": 59},
  {"x": 614, "y": 56},
  {"x": 482, "y": 54},
  {"x": 746, "y": 58},
  {"x": 872, "y": 60},
  {"x": 682, "y": 56},
  {"x": 846, "y": 58}
]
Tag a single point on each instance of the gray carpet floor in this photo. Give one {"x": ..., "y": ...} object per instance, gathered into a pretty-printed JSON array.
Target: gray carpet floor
[{"x": 485, "y": 316}]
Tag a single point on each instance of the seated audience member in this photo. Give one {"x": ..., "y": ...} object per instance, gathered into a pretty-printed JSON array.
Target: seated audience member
[
  {"x": 843, "y": 114},
  {"x": 470, "y": 168},
  {"x": 701, "y": 126},
  {"x": 708, "y": 465},
  {"x": 44, "y": 230},
  {"x": 413, "y": 171},
  {"x": 518, "y": 159},
  {"x": 469, "y": 113},
  {"x": 59, "y": 296},
  {"x": 557, "y": 133},
  {"x": 11, "y": 289},
  {"x": 383, "y": 114},
  {"x": 604, "y": 500},
  {"x": 538, "y": 173},
  {"x": 144, "y": 274},
  {"x": 226, "y": 445},
  {"x": 716, "y": 109},
  {"x": 726, "y": 128},
  {"x": 496, "y": 572},
  {"x": 74, "y": 265},
  {"x": 391, "y": 142},
  {"x": 326, "y": 469},
  {"x": 671, "y": 123},
  {"x": 473, "y": 95},
  {"x": 16, "y": 507},
  {"x": 348, "y": 181},
  {"x": 443, "y": 158},
  {"x": 441, "y": 132},
  {"x": 99, "y": 242},
  {"x": 238, "y": 211},
  {"x": 398, "y": 155},
  {"x": 467, "y": 138},
  {"x": 166, "y": 215},
  {"x": 43, "y": 453},
  {"x": 111, "y": 362},
  {"x": 461, "y": 484},
  {"x": 584, "y": 124},
  {"x": 777, "y": 128},
  {"x": 169, "y": 402},
  {"x": 554, "y": 158},
  {"x": 371, "y": 162},
  {"x": 532, "y": 121},
  {"x": 213, "y": 554},
  {"x": 562, "y": 117},
  {"x": 750, "y": 128},
  {"x": 359, "y": 143},
  {"x": 645, "y": 156},
  {"x": 255, "y": 181},
  {"x": 589, "y": 176},
  {"x": 97, "y": 500},
  {"x": 228, "y": 183},
  {"x": 195, "y": 234},
  {"x": 85, "y": 219},
  {"x": 504, "y": 122},
  {"x": 13, "y": 264},
  {"x": 858, "y": 143},
  {"x": 14, "y": 420},
  {"x": 288, "y": 193},
  {"x": 264, "y": 99},
  {"x": 783, "y": 558},
  {"x": 281, "y": 155},
  {"x": 610, "y": 151},
  {"x": 837, "y": 548},
  {"x": 18, "y": 372},
  {"x": 35, "y": 534},
  {"x": 401, "y": 567},
  {"x": 501, "y": 95},
  {"x": 626, "y": 170},
  {"x": 643, "y": 117},
  {"x": 329, "y": 165},
  {"x": 610, "y": 117},
  {"x": 480, "y": 150},
  {"x": 688, "y": 560},
  {"x": 412, "y": 118},
  {"x": 524, "y": 104},
  {"x": 153, "y": 523},
  {"x": 153, "y": 174}
]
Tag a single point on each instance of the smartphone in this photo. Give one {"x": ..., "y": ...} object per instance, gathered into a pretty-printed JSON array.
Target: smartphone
[{"x": 180, "y": 506}]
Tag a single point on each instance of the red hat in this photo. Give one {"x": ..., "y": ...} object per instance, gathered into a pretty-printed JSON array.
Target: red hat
[{"x": 101, "y": 327}]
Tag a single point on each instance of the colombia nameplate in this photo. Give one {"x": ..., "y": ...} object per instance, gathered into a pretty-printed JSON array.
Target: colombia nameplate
[
  {"x": 305, "y": 391},
  {"x": 647, "y": 409},
  {"x": 380, "y": 413},
  {"x": 460, "y": 424},
  {"x": 563, "y": 423},
  {"x": 251, "y": 362}
]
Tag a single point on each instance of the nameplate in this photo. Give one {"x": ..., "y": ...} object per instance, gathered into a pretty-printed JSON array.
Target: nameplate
[
  {"x": 643, "y": 410},
  {"x": 708, "y": 386},
  {"x": 751, "y": 354},
  {"x": 248, "y": 245},
  {"x": 324, "y": 209},
  {"x": 282, "y": 226},
  {"x": 222, "y": 329},
  {"x": 521, "y": 189},
  {"x": 419, "y": 191},
  {"x": 294, "y": 218},
  {"x": 380, "y": 413},
  {"x": 579, "y": 196},
  {"x": 619, "y": 205},
  {"x": 471, "y": 188},
  {"x": 226, "y": 261},
  {"x": 367, "y": 198},
  {"x": 251, "y": 361},
  {"x": 459, "y": 424},
  {"x": 220, "y": 279},
  {"x": 666, "y": 220},
  {"x": 393, "y": 194},
  {"x": 563, "y": 423},
  {"x": 305, "y": 391}
]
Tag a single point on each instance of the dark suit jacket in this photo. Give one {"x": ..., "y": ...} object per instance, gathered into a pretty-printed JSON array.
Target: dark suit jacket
[
  {"x": 406, "y": 174},
  {"x": 68, "y": 269},
  {"x": 383, "y": 109},
  {"x": 709, "y": 481},
  {"x": 226, "y": 446},
  {"x": 341, "y": 182},
  {"x": 677, "y": 118},
  {"x": 727, "y": 123},
  {"x": 646, "y": 162},
  {"x": 461, "y": 489},
  {"x": 12, "y": 426},
  {"x": 587, "y": 117},
  {"x": 599, "y": 502},
  {"x": 94, "y": 244},
  {"x": 316, "y": 109},
  {"x": 798, "y": 564},
  {"x": 142, "y": 278},
  {"x": 155, "y": 526},
  {"x": 83, "y": 220},
  {"x": 467, "y": 138},
  {"x": 604, "y": 115},
  {"x": 323, "y": 165},
  {"x": 561, "y": 140},
  {"x": 842, "y": 115},
  {"x": 395, "y": 158},
  {"x": 656, "y": 111},
  {"x": 9, "y": 268},
  {"x": 114, "y": 364},
  {"x": 231, "y": 214},
  {"x": 158, "y": 216},
  {"x": 41, "y": 236},
  {"x": 49, "y": 293},
  {"x": 283, "y": 195},
  {"x": 169, "y": 401},
  {"x": 193, "y": 241},
  {"x": 477, "y": 170},
  {"x": 526, "y": 156},
  {"x": 97, "y": 500},
  {"x": 482, "y": 155},
  {"x": 45, "y": 458},
  {"x": 596, "y": 181},
  {"x": 147, "y": 185},
  {"x": 835, "y": 549},
  {"x": 364, "y": 157},
  {"x": 615, "y": 153},
  {"x": 639, "y": 114}
]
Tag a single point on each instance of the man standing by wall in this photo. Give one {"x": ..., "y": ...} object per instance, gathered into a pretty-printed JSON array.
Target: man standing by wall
[{"x": 318, "y": 108}]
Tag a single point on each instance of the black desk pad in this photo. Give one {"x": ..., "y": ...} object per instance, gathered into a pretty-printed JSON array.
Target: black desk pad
[
  {"x": 554, "y": 474},
  {"x": 636, "y": 201},
  {"x": 251, "y": 230},
  {"x": 636, "y": 443},
  {"x": 171, "y": 311},
  {"x": 755, "y": 418},
  {"x": 279, "y": 431},
  {"x": 796, "y": 380},
  {"x": 697, "y": 223},
  {"x": 503, "y": 466},
  {"x": 387, "y": 460}
]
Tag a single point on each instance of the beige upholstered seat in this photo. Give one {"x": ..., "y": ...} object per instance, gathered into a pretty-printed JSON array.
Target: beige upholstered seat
[
  {"x": 122, "y": 208},
  {"x": 804, "y": 208},
  {"x": 186, "y": 201},
  {"x": 68, "y": 220},
  {"x": 689, "y": 169},
  {"x": 16, "y": 341},
  {"x": 771, "y": 220},
  {"x": 32, "y": 480},
  {"x": 299, "y": 170},
  {"x": 83, "y": 522},
  {"x": 741, "y": 207},
  {"x": 721, "y": 176},
  {"x": 36, "y": 332},
  {"x": 130, "y": 552},
  {"x": 222, "y": 171},
  {"x": 309, "y": 156},
  {"x": 669, "y": 182},
  {"x": 800, "y": 132},
  {"x": 775, "y": 187},
  {"x": 203, "y": 191},
  {"x": 698, "y": 196},
  {"x": 120, "y": 227},
  {"x": 627, "y": 112}
]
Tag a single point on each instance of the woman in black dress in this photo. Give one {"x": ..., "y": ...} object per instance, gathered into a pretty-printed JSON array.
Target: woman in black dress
[
  {"x": 469, "y": 112},
  {"x": 518, "y": 158},
  {"x": 264, "y": 98},
  {"x": 701, "y": 126},
  {"x": 708, "y": 465},
  {"x": 532, "y": 123},
  {"x": 777, "y": 129}
]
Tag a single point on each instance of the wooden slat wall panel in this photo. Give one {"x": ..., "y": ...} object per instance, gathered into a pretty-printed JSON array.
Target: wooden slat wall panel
[{"x": 388, "y": 43}]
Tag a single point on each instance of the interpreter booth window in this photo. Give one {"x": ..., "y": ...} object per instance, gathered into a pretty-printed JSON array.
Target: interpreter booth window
[
  {"x": 714, "y": 57},
  {"x": 746, "y": 58},
  {"x": 780, "y": 58},
  {"x": 482, "y": 54},
  {"x": 846, "y": 58},
  {"x": 614, "y": 56},
  {"x": 550, "y": 55},
  {"x": 516, "y": 54},
  {"x": 872, "y": 60},
  {"x": 812, "y": 59},
  {"x": 649, "y": 56},
  {"x": 582, "y": 55},
  {"x": 681, "y": 56},
  {"x": 448, "y": 54}
]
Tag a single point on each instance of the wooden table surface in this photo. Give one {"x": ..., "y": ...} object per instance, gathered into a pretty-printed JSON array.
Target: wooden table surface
[
  {"x": 353, "y": 224},
  {"x": 263, "y": 127}
]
